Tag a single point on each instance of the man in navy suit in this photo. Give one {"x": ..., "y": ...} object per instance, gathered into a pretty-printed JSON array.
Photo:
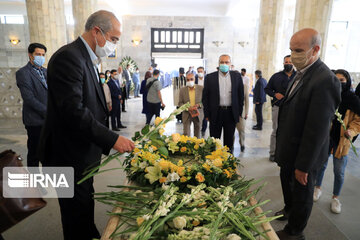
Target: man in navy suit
[
  {"x": 223, "y": 100},
  {"x": 115, "y": 90},
  {"x": 31, "y": 80},
  {"x": 259, "y": 99}
]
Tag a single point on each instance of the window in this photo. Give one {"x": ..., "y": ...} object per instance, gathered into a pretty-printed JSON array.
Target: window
[
  {"x": 177, "y": 40},
  {"x": 12, "y": 19}
]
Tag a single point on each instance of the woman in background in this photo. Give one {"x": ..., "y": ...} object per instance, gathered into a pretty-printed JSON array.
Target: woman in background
[{"x": 143, "y": 91}]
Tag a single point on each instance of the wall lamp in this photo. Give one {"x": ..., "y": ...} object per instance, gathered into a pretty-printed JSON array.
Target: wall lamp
[
  {"x": 218, "y": 43},
  {"x": 243, "y": 43},
  {"x": 136, "y": 42},
  {"x": 14, "y": 41}
]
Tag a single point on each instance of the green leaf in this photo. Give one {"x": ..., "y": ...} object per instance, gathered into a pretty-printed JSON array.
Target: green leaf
[
  {"x": 164, "y": 151},
  {"x": 145, "y": 130}
]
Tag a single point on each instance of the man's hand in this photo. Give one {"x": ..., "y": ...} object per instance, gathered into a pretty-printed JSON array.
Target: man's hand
[
  {"x": 257, "y": 103},
  {"x": 301, "y": 177},
  {"x": 162, "y": 105},
  {"x": 110, "y": 108},
  {"x": 123, "y": 145},
  {"x": 207, "y": 119},
  {"x": 119, "y": 96},
  {"x": 246, "y": 116},
  {"x": 347, "y": 134},
  {"x": 279, "y": 96}
]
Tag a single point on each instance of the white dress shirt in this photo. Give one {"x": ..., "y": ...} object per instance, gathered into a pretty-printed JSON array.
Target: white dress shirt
[
  {"x": 94, "y": 59},
  {"x": 225, "y": 89}
]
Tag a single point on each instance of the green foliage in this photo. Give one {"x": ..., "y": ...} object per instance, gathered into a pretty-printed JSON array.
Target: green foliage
[{"x": 128, "y": 60}]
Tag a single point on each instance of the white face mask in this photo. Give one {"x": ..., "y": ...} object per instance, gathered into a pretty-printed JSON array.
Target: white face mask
[
  {"x": 201, "y": 75},
  {"x": 106, "y": 50},
  {"x": 116, "y": 77},
  {"x": 190, "y": 84},
  {"x": 299, "y": 59}
]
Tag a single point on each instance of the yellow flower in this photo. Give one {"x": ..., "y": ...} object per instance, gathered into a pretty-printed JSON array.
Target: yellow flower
[
  {"x": 164, "y": 165},
  {"x": 153, "y": 173},
  {"x": 139, "y": 220},
  {"x": 162, "y": 180},
  {"x": 161, "y": 131},
  {"x": 180, "y": 163},
  {"x": 183, "y": 179},
  {"x": 158, "y": 120},
  {"x": 136, "y": 150},
  {"x": 207, "y": 167},
  {"x": 196, "y": 222},
  {"x": 181, "y": 171},
  {"x": 196, "y": 147},
  {"x": 228, "y": 174},
  {"x": 133, "y": 162},
  {"x": 218, "y": 162},
  {"x": 183, "y": 149},
  {"x": 154, "y": 148},
  {"x": 175, "y": 137},
  {"x": 199, "y": 177},
  {"x": 173, "y": 167}
]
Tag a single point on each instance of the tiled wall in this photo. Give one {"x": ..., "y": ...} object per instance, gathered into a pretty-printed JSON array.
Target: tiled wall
[{"x": 10, "y": 98}]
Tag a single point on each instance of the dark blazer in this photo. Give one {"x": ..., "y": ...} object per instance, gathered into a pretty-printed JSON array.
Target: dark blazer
[
  {"x": 143, "y": 91},
  {"x": 302, "y": 138},
  {"x": 75, "y": 132},
  {"x": 211, "y": 95},
  {"x": 126, "y": 75},
  {"x": 34, "y": 94},
  {"x": 115, "y": 91},
  {"x": 259, "y": 92}
]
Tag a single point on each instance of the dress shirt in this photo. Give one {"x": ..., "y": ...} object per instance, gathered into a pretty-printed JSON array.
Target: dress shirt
[
  {"x": 192, "y": 96},
  {"x": 94, "y": 59},
  {"x": 299, "y": 76},
  {"x": 41, "y": 74},
  {"x": 246, "y": 80},
  {"x": 225, "y": 89},
  {"x": 201, "y": 81}
]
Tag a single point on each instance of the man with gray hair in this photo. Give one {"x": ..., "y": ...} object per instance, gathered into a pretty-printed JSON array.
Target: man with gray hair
[
  {"x": 302, "y": 138},
  {"x": 223, "y": 100},
  {"x": 76, "y": 131}
]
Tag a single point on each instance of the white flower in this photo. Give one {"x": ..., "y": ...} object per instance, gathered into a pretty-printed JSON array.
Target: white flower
[
  {"x": 161, "y": 211},
  {"x": 233, "y": 236},
  {"x": 164, "y": 187},
  {"x": 200, "y": 195},
  {"x": 194, "y": 210},
  {"x": 143, "y": 165},
  {"x": 179, "y": 222},
  {"x": 146, "y": 217},
  {"x": 172, "y": 177}
]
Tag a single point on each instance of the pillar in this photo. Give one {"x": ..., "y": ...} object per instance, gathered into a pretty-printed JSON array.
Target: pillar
[
  {"x": 270, "y": 28},
  {"x": 82, "y": 9},
  {"x": 47, "y": 23},
  {"x": 314, "y": 14}
]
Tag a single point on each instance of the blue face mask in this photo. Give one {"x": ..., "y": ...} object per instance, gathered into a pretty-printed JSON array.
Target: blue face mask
[
  {"x": 224, "y": 68},
  {"x": 39, "y": 60},
  {"x": 102, "y": 80}
]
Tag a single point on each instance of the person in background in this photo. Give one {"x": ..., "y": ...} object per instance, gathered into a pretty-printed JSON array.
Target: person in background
[
  {"x": 32, "y": 82},
  {"x": 191, "y": 93},
  {"x": 143, "y": 91},
  {"x": 75, "y": 133},
  {"x": 107, "y": 75},
  {"x": 116, "y": 98},
  {"x": 127, "y": 76},
  {"x": 154, "y": 98},
  {"x": 178, "y": 82},
  {"x": 259, "y": 99},
  {"x": 136, "y": 82},
  {"x": 246, "y": 79},
  {"x": 302, "y": 137},
  {"x": 357, "y": 90},
  {"x": 240, "y": 126},
  {"x": 223, "y": 100},
  {"x": 123, "y": 88},
  {"x": 106, "y": 90},
  {"x": 199, "y": 80},
  {"x": 340, "y": 139},
  {"x": 276, "y": 89}
]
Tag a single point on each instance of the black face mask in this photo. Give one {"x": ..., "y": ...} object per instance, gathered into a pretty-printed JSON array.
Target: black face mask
[
  {"x": 288, "y": 67},
  {"x": 343, "y": 86}
]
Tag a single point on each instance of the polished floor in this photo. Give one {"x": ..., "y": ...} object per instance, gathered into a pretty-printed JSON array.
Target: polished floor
[{"x": 323, "y": 225}]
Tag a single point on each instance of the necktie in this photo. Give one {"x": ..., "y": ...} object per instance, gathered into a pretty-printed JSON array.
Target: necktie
[{"x": 296, "y": 82}]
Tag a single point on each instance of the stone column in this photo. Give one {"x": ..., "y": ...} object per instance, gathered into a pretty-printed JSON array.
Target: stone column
[
  {"x": 270, "y": 28},
  {"x": 314, "y": 14},
  {"x": 82, "y": 9},
  {"x": 47, "y": 23}
]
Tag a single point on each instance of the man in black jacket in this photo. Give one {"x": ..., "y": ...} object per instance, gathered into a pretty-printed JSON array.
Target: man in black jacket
[
  {"x": 302, "y": 140},
  {"x": 223, "y": 100},
  {"x": 259, "y": 99},
  {"x": 75, "y": 132},
  {"x": 276, "y": 89}
]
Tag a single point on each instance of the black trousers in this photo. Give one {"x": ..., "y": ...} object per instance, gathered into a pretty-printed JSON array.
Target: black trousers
[
  {"x": 298, "y": 199},
  {"x": 33, "y": 133},
  {"x": 77, "y": 213},
  {"x": 153, "y": 109},
  {"x": 259, "y": 114},
  {"x": 115, "y": 115},
  {"x": 204, "y": 125},
  {"x": 224, "y": 121},
  {"x": 123, "y": 97}
]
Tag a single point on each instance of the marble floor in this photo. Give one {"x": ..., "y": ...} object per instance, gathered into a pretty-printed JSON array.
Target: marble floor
[{"x": 323, "y": 225}]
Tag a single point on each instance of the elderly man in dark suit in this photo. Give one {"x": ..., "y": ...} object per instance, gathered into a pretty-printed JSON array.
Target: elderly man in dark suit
[
  {"x": 302, "y": 139},
  {"x": 223, "y": 100},
  {"x": 259, "y": 99},
  {"x": 75, "y": 132},
  {"x": 31, "y": 80}
]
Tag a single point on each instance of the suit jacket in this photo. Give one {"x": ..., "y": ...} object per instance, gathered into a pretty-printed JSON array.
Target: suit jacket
[
  {"x": 184, "y": 98},
  {"x": 75, "y": 132},
  {"x": 34, "y": 94},
  {"x": 107, "y": 95},
  {"x": 126, "y": 75},
  {"x": 259, "y": 92},
  {"x": 115, "y": 92},
  {"x": 211, "y": 95},
  {"x": 302, "y": 138}
]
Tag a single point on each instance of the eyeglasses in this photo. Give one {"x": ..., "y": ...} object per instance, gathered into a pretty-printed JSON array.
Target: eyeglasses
[{"x": 114, "y": 40}]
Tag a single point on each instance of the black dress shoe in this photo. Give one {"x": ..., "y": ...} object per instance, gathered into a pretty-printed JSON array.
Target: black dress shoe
[
  {"x": 284, "y": 213},
  {"x": 122, "y": 126},
  {"x": 257, "y": 128},
  {"x": 116, "y": 129},
  {"x": 242, "y": 148},
  {"x": 283, "y": 235},
  {"x": 123, "y": 110}
]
